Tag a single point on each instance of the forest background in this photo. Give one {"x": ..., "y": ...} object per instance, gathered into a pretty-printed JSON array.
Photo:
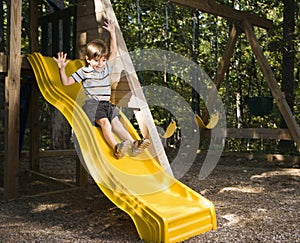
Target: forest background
[{"x": 200, "y": 37}]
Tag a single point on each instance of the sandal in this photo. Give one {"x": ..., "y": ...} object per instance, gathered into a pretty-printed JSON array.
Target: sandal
[
  {"x": 139, "y": 146},
  {"x": 121, "y": 149}
]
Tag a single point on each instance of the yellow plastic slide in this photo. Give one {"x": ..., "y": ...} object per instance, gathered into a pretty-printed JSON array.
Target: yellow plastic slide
[{"x": 162, "y": 208}]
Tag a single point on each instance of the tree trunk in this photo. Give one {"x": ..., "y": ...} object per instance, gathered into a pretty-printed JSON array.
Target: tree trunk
[
  {"x": 195, "y": 95},
  {"x": 288, "y": 62}
]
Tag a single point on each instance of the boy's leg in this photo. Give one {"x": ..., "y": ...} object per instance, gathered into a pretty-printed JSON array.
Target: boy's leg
[
  {"x": 120, "y": 130},
  {"x": 107, "y": 131},
  {"x": 138, "y": 146},
  {"x": 120, "y": 149}
]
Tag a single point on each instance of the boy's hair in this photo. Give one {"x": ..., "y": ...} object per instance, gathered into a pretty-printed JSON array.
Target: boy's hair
[{"x": 96, "y": 48}]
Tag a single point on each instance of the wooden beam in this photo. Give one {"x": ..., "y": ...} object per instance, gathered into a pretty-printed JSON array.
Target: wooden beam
[
  {"x": 51, "y": 193},
  {"x": 254, "y": 133},
  {"x": 47, "y": 153},
  {"x": 34, "y": 109},
  {"x": 227, "y": 55},
  {"x": 33, "y": 16},
  {"x": 4, "y": 63},
  {"x": 272, "y": 83},
  {"x": 225, "y": 11},
  {"x": 51, "y": 178},
  {"x": 12, "y": 101},
  {"x": 288, "y": 160}
]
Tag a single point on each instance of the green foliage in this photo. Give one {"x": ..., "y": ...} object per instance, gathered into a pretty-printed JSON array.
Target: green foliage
[{"x": 245, "y": 77}]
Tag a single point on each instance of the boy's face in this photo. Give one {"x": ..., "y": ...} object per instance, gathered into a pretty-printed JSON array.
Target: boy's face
[{"x": 97, "y": 63}]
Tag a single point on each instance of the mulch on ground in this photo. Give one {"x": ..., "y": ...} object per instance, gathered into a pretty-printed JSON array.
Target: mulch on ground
[{"x": 255, "y": 200}]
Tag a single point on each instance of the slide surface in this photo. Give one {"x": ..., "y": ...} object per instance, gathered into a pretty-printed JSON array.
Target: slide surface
[{"x": 162, "y": 208}]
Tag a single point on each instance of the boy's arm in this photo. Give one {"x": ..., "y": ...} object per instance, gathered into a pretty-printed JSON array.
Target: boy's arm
[
  {"x": 110, "y": 27},
  {"x": 62, "y": 63}
]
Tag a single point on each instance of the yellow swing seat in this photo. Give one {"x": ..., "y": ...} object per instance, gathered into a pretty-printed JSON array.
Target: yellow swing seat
[
  {"x": 211, "y": 124},
  {"x": 170, "y": 130}
]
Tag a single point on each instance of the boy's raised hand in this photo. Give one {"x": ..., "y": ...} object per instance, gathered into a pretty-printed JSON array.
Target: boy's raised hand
[
  {"x": 61, "y": 60},
  {"x": 109, "y": 25}
]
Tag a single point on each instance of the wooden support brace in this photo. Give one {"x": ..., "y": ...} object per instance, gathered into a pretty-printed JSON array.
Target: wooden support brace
[
  {"x": 50, "y": 178},
  {"x": 225, "y": 61},
  {"x": 212, "y": 7},
  {"x": 272, "y": 83},
  {"x": 50, "y": 193},
  {"x": 253, "y": 133}
]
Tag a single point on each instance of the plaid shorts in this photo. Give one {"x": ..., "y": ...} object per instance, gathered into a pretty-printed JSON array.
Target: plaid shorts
[{"x": 96, "y": 110}]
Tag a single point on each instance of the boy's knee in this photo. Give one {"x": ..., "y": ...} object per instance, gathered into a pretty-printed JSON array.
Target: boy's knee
[
  {"x": 103, "y": 122},
  {"x": 116, "y": 121}
]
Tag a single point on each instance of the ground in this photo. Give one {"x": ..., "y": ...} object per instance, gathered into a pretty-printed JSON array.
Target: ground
[{"x": 255, "y": 200}]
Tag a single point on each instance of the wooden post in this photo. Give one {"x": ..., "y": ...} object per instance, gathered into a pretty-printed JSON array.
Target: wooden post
[
  {"x": 34, "y": 100},
  {"x": 81, "y": 174},
  {"x": 272, "y": 83},
  {"x": 84, "y": 34},
  {"x": 12, "y": 101}
]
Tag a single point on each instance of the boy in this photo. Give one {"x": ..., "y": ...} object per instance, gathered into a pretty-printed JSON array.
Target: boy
[{"x": 96, "y": 82}]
